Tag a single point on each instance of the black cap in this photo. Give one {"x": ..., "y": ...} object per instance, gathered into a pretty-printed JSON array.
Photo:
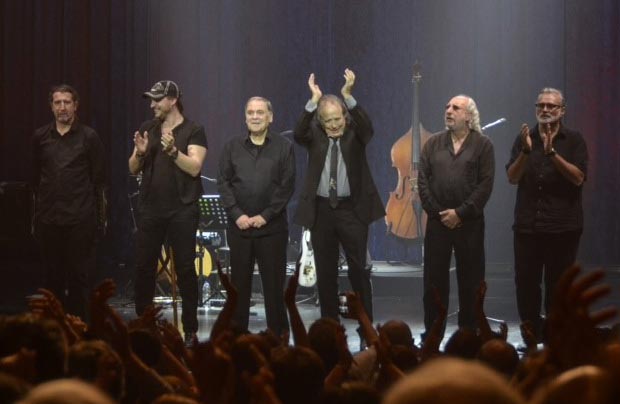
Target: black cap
[{"x": 161, "y": 89}]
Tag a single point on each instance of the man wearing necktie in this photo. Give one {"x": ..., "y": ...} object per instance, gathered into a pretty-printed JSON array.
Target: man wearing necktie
[{"x": 339, "y": 198}]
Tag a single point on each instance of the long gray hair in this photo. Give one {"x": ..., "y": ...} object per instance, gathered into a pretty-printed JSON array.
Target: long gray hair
[{"x": 472, "y": 108}]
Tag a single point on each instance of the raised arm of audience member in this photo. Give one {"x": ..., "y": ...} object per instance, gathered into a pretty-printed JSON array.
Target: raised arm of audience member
[
  {"x": 571, "y": 326},
  {"x": 389, "y": 373},
  {"x": 152, "y": 384},
  {"x": 224, "y": 319},
  {"x": 339, "y": 372},
  {"x": 356, "y": 311},
  {"x": 300, "y": 335},
  {"x": 529, "y": 336},
  {"x": 261, "y": 384},
  {"x": 169, "y": 360},
  {"x": 534, "y": 371},
  {"x": 430, "y": 346},
  {"x": 99, "y": 308},
  {"x": 21, "y": 364},
  {"x": 261, "y": 387},
  {"x": 213, "y": 370},
  {"x": 48, "y": 306},
  {"x": 78, "y": 325},
  {"x": 171, "y": 337},
  {"x": 148, "y": 320}
]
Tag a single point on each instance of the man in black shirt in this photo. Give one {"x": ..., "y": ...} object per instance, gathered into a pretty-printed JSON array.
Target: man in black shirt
[
  {"x": 457, "y": 167},
  {"x": 169, "y": 151},
  {"x": 68, "y": 181},
  {"x": 256, "y": 179},
  {"x": 549, "y": 165}
]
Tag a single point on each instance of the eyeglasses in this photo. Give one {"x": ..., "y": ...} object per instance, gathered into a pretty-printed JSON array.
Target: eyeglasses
[{"x": 550, "y": 107}]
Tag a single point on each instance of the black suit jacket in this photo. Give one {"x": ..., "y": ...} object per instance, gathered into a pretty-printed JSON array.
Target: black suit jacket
[{"x": 308, "y": 132}]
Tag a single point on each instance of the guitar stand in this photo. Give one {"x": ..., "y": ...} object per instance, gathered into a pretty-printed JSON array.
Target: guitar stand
[
  {"x": 217, "y": 297},
  {"x": 166, "y": 260}
]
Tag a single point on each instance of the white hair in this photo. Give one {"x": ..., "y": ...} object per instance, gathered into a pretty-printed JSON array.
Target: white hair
[
  {"x": 551, "y": 90},
  {"x": 472, "y": 108}
]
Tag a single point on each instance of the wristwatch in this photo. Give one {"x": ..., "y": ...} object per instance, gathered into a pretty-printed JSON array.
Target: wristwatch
[
  {"x": 174, "y": 154},
  {"x": 551, "y": 153}
]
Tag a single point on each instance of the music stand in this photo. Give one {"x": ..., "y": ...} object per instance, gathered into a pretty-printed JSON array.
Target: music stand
[
  {"x": 212, "y": 213},
  {"x": 212, "y": 217}
]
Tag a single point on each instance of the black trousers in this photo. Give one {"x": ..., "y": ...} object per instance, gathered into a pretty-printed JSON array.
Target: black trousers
[
  {"x": 179, "y": 232},
  {"x": 467, "y": 242},
  {"x": 69, "y": 257},
  {"x": 535, "y": 254},
  {"x": 334, "y": 227},
  {"x": 269, "y": 251}
]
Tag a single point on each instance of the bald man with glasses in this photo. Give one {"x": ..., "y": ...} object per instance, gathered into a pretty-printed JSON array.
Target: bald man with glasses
[{"x": 549, "y": 165}]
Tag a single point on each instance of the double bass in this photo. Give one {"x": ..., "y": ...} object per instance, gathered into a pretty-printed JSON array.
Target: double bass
[{"x": 404, "y": 215}]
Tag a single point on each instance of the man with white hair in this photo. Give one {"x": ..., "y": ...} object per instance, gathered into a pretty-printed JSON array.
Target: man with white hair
[{"x": 455, "y": 179}]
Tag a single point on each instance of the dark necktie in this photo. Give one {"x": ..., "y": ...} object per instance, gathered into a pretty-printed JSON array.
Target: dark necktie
[{"x": 333, "y": 175}]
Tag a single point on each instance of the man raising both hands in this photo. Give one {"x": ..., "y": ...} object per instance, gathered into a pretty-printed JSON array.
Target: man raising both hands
[{"x": 339, "y": 198}]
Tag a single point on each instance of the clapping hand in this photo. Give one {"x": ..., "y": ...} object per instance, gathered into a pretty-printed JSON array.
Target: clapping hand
[
  {"x": 349, "y": 81},
  {"x": 314, "y": 89},
  {"x": 526, "y": 140}
]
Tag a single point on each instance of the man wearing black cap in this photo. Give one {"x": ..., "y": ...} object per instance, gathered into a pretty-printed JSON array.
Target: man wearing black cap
[{"x": 169, "y": 151}]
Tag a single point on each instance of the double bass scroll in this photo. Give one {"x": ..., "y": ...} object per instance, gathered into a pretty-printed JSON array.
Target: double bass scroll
[{"x": 405, "y": 217}]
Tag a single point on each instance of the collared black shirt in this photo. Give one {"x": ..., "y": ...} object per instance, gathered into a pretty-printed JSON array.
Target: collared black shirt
[
  {"x": 67, "y": 171},
  {"x": 257, "y": 180},
  {"x": 463, "y": 181},
  {"x": 546, "y": 201}
]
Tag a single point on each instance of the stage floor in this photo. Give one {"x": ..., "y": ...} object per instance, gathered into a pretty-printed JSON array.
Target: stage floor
[{"x": 397, "y": 295}]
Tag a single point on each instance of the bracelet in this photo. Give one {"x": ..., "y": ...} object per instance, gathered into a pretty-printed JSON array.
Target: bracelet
[
  {"x": 174, "y": 154},
  {"x": 551, "y": 153},
  {"x": 140, "y": 155}
]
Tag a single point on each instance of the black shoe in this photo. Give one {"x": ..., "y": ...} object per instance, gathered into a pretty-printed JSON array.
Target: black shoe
[{"x": 189, "y": 339}]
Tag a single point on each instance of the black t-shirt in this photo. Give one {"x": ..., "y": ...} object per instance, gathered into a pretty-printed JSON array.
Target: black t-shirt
[{"x": 165, "y": 187}]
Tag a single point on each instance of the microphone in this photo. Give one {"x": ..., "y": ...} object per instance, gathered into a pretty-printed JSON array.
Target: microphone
[{"x": 490, "y": 125}]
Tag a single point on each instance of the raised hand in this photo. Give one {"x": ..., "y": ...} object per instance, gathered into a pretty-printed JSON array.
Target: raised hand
[
  {"x": 167, "y": 141},
  {"x": 349, "y": 80},
  {"x": 547, "y": 138},
  {"x": 141, "y": 141},
  {"x": 171, "y": 337},
  {"x": 214, "y": 372},
  {"x": 314, "y": 89},
  {"x": 526, "y": 140},
  {"x": 99, "y": 307},
  {"x": 571, "y": 328},
  {"x": 47, "y": 305}
]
